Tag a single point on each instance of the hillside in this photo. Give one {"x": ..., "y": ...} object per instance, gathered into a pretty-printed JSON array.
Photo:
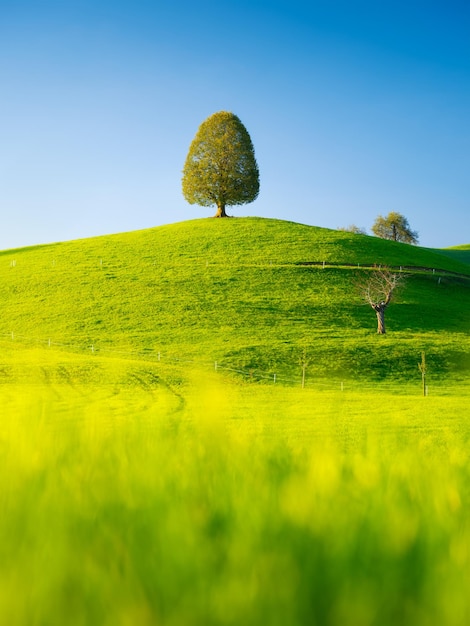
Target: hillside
[
  {"x": 249, "y": 293},
  {"x": 460, "y": 253}
]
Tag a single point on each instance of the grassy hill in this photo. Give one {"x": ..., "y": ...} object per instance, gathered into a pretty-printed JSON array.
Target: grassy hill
[
  {"x": 460, "y": 253},
  {"x": 130, "y": 498},
  {"x": 249, "y": 293}
]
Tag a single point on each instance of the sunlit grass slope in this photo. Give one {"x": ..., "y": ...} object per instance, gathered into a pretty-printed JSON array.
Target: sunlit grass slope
[
  {"x": 125, "y": 500},
  {"x": 138, "y": 490},
  {"x": 460, "y": 253},
  {"x": 239, "y": 292}
]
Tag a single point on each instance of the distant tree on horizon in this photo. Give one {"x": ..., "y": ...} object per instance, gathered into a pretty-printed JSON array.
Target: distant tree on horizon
[
  {"x": 220, "y": 167},
  {"x": 394, "y": 227},
  {"x": 352, "y": 228}
]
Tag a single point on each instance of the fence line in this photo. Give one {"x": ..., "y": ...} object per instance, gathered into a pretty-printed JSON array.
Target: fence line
[
  {"x": 156, "y": 357},
  {"x": 99, "y": 262},
  {"x": 374, "y": 266}
]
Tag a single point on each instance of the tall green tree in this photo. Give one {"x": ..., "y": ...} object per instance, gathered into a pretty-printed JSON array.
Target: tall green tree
[
  {"x": 221, "y": 167},
  {"x": 395, "y": 227}
]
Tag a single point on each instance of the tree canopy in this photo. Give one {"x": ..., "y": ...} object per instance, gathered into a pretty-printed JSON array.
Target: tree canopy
[
  {"x": 352, "y": 228},
  {"x": 395, "y": 227},
  {"x": 220, "y": 167}
]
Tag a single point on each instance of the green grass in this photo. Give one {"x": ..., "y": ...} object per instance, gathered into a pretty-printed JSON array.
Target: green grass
[
  {"x": 460, "y": 253},
  {"x": 233, "y": 291},
  {"x": 137, "y": 493},
  {"x": 140, "y": 484}
]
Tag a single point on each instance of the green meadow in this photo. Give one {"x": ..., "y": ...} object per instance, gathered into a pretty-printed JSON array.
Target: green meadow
[
  {"x": 244, "y": 293},
  {"x": 161, "y": 463}
]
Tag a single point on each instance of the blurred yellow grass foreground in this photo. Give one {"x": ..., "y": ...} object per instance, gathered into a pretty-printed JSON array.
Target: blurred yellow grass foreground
[
  {"x": 138, "y": 489},
  {"x": 126, "y": 500}
]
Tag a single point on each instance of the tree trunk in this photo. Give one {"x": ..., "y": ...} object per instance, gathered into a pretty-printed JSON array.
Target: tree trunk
[
  {"x": 221, "y": 211},
  {"x": 380, "y": 311}
]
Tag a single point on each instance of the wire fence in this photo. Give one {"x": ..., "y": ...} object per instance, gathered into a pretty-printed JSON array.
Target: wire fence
[
  {"x": 415, "y": 269},
  {"x": 303, "y": 379},
  {"x": 101, "y": 262}
]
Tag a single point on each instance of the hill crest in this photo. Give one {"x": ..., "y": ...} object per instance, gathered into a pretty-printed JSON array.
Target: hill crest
[
  {"x": 244, "y": 292},
  {"x": 296, "y": 242}
]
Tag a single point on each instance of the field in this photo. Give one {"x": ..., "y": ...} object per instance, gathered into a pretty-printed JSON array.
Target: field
[
  {"x": 162, "y": 465},
  {"x": 240, "y": 292}
]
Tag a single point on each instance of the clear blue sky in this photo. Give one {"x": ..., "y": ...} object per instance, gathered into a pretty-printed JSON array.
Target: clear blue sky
[{"x": 355, "y": 108}]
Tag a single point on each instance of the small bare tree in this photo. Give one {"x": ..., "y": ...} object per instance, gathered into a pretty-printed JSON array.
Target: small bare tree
[
  {"x": 423, "y": 370},
  {"x": 304, "y": 361},
  {"x": 377, "y": 289}
]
